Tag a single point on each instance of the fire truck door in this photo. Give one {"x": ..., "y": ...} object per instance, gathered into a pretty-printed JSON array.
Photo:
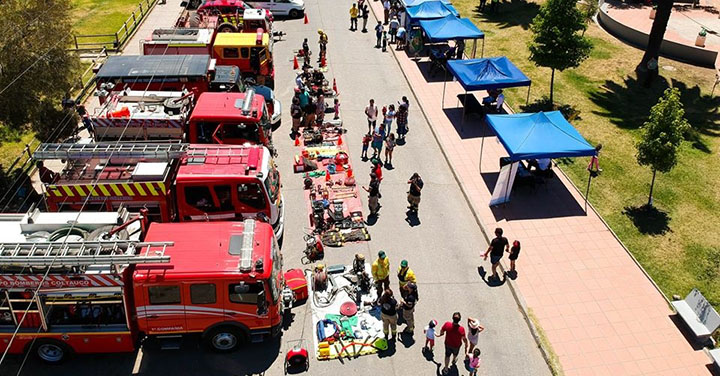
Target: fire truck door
[
  {"x": 246, "y": 302},
  {"x": 204, "y": 309},
  {"x": 165, "y": 309}
]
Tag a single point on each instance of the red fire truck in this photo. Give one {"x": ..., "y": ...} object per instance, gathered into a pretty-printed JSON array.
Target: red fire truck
[
  {"x": 252, "y": 52},
  {"x": 230, "y": 118},
  {"x": 196, "y": 73},
  {"x": 222, "y": 280},
  {"x": 226, "y": 16},
  {"x": 174, "y": 182}
]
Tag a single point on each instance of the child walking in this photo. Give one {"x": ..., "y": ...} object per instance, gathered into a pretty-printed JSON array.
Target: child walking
[
  {"x": 365, "y": 145},
  {"x": 474, "y": 362},
  {"x": 514, "y": 252},
  {"x": 389, "y": 146},
  {"x": 430, "y": 335}
]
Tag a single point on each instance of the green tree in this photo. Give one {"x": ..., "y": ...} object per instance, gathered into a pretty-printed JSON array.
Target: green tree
[
  {"x": 557, "y": 41},
  {"x": 35, "y": 65},
  {"x": 662, "y": 134}
]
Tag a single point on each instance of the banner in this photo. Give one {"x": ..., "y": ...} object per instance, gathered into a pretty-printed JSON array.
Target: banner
[{"x": 503, "y": 187}]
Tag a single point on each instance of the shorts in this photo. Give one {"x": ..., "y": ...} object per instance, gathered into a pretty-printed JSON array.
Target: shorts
[
  {"x": 429, "y": 341},
  {"x": 449, "y": 350},
  {"x": 413, "y": 200},
  {"x": 495, "y": 259}
]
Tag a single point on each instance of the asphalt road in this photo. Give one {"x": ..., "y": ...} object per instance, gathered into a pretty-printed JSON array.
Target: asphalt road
[{"x": 443, "y": 246}]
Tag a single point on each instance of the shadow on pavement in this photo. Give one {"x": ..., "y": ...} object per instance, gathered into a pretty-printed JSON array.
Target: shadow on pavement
[
  {"x": 487, "y": 277},
  {"x": 412, "y": 218},
  {"x": 436, "y": 75},
  {"x": 471, "y": 127}
]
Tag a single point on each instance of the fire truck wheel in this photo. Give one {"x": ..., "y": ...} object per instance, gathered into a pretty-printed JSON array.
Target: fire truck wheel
[
  {"x": 224, "y": 339},
  {"x": 51, "y": 351},
  {"x": 101, "y": 234},
  {"x": 226, "y": 28}
]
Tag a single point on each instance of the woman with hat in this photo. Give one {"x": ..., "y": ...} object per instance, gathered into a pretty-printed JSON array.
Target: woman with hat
[{"x": 474, "y": 329}]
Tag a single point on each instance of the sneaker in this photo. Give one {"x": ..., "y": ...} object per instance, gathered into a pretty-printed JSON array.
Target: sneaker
[{"x": 445, "y": 371}]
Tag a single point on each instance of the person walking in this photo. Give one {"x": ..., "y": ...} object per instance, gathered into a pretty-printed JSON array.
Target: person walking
[
  {"x": 497, "y": 247},
  {"x": 296, "y": 113},
  {"x": 354, "y": 11},
  {"x": 401, "y": 119},
  {"x": 405, "y": 275},
  {"x": 371, "y": 111},
  {"x": 373, "y": 194},
  {"x": 430, "y": 335},
  {"x": 393, "y": 28},
  {"x": 365, "y": 145},
  {"x": 388, "y": 314},
  {"x": 389, "y": 146},
  {"x": 454, "y": 337},
  {"x": 416, "y": 186},
  {"x": 378, "y": 33},
  {"x": 474, "y": 362},
  {"x": 407, "y": 303},
  {"x": 380, "y": 271},
  {"x": 386, "y": 11},
  {"x": 514, "y": 253},
  {"x": 365, "y": 13},
  {"x": 474, "y": 330}
]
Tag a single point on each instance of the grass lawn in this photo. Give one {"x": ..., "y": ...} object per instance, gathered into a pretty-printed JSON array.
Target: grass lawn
[
  {"x": 101, "y": 16},
  {"x": 679, "y": 245}
]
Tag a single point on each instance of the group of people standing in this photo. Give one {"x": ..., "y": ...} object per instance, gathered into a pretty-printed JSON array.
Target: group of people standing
[
  {"x": 390, "y": 307},
  {"x": 455, "y": 337}
]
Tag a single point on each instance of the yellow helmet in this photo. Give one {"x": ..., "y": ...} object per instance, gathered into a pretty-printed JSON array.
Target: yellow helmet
[{"x": 320, "y": 31}]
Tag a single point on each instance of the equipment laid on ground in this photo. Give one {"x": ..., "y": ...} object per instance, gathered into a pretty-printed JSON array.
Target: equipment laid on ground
[
  {"x": 314, "y": 249},
  {"x": 297, "y": 358}
]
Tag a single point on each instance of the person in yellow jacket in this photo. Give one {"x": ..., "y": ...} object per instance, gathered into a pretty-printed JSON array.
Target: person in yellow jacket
[
  {"x": 381, "y": 273},
  {"x": 354, "y": 12},
  {"x": 405, "y": 275}
]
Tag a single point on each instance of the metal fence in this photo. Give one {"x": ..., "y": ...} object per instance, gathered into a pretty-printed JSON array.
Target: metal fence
[{"x": 114, "y": 42}]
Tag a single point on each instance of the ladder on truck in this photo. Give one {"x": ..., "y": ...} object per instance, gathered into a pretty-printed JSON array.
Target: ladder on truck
[
  {"x": 74, "y": 254},
  {"x": 163, "y": 151},
  {"x": 110, "y": 150}
]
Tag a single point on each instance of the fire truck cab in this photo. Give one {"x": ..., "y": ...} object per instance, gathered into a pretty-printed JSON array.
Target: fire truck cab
[
  {"x": 174, "y": 182},
  {"x": 69, "y": 288},
  {"x": 231, "y": 118}
]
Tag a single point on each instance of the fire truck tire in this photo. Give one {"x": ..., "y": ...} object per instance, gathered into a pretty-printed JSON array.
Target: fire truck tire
[
  {"x": 51, "y": 351},
  {"x": 99, "y": 234},
  {"x": 225, "y": 339},
  {"x": 226, "y": 28}
]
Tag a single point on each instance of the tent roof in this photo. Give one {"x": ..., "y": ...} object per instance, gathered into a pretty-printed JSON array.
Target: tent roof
[
  {"x": 450, "y": 27},
  {"x": 412, "y": 3},
  {"x": 431, "y": 9},
  {"x": 487, "y": 73},
  {"x": 539, "y": 135}
]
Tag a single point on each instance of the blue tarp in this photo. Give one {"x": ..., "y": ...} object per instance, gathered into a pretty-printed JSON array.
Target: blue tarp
[
  {"x": 412, "y": 3},
  {"x": 487, "y": 73},
  {"x": 449, "y": 28},
  {"x": 431, "y": 10},
  {"x": 539, "y": 135}
]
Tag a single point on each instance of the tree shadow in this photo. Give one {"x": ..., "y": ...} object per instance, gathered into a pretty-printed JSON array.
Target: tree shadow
[
  {"x": 509, "y": 14},
  {"x": 649, "y": 220},
  {"x": 627, "y": 104},
  {"x": 570, "y": 112}
]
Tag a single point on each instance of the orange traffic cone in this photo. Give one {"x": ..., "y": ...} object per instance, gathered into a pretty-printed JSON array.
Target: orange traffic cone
[
  {"x": 349, "y": 172},
  {"x": 297, "y": 140},
  {"x": 335, "y": 87},
  {"x": 306, "y": 19},
  {"x": 295, "y": 63},
  {"x": 339, "y": 140},
  {"x": 323, "y": 63},
  {"x": 327, "y": 175}
]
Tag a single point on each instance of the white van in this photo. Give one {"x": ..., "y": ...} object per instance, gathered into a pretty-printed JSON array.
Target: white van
[{"x": 292, "y": 8}]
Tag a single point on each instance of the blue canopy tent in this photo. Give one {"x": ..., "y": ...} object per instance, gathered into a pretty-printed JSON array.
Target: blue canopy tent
[
  {"x": 430, "y": 10},
  {"x": 453, "y": 28},
  {"x": 412, "y": 3},
  {"x": 538, "y": 135},
  {"x": 484, "y": 74}
]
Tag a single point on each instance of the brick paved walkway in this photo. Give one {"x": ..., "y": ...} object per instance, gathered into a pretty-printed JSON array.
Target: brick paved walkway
[{"x": 600, "y": 312}]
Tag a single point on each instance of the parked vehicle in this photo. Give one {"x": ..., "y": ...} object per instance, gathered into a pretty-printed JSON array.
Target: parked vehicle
[
  {"x": 174, "y": 182},
  {"x": 291, "y": 8},
  {"x": 154, "y": 282}
]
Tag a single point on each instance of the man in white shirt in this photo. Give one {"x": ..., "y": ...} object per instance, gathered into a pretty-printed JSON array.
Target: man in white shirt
[{"x": 371, "y": 112}]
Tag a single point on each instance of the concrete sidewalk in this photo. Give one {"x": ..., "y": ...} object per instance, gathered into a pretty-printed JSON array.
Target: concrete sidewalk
[{"x": 600, "y": 312}]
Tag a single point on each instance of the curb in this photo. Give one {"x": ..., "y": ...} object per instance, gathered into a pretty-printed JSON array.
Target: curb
[{"x": 516, "y": 295}]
